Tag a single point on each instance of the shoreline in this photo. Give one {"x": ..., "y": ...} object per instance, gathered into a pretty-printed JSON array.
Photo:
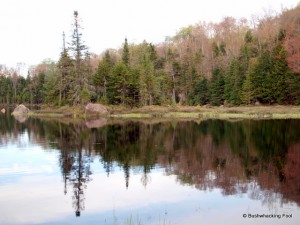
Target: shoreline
[{"x": 173, "y": 112}]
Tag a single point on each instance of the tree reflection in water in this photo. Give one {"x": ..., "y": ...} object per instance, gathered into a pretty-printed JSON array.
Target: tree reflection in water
[
  {"x": 75, "y": 161},
  {"x": 261, "y": 158}
]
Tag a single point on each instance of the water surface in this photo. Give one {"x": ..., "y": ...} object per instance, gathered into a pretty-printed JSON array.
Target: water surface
[{"x": 149, "y": 172}]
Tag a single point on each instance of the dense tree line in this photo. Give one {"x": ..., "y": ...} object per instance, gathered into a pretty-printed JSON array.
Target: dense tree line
[{"x": 233, "y": 62}]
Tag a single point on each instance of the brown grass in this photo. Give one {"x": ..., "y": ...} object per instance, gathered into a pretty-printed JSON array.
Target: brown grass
[{"x": 239, "y": 112}]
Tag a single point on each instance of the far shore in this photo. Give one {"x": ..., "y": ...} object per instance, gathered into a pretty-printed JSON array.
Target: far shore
[{"x": 193, "y": 112}]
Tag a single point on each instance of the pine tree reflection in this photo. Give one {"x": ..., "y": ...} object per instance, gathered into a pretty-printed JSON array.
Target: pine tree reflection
[
  {"x": 79, "y": 178},
  {"x": 260, "y": 158},
  {"x": 75, "y": 161}
]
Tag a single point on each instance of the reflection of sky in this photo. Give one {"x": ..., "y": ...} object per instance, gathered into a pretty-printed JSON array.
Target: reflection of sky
[
  {"x": 32, "y": 192},
  {"x": 19, "y": 159}
]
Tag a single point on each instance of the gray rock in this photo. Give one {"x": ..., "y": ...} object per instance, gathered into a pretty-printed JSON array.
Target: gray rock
[
  {"x": 20, "y": 109},
  {"x": 95, "y": 109},
  {"x": 257, "y": 103}
]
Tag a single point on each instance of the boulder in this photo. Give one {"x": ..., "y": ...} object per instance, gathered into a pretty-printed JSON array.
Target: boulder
[
  {"x": 20, "y": 109},
  {"x": 95, "y": 109},
  {"x": 3, "y": 110},
  {"x": 207, "y": 106},
  {"x": 257, "y": 103}
]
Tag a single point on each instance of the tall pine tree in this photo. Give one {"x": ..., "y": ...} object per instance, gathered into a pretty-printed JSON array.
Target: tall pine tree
[{"x": 81, "y": 89}]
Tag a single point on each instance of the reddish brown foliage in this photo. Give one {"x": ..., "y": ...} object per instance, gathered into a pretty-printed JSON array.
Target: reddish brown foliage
[
  {"x": 292, "y": 46},
  {"x": 290, "y": 22},
  {"x": 292, "y": 173}
]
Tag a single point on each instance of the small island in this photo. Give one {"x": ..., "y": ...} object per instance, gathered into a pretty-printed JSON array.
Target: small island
[{"x": 169, "y": 112}]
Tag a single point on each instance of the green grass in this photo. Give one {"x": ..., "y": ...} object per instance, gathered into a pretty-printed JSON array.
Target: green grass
[
  {"x": 286, "y": 116},
  {"x": 44, "y": 114},
  {"x": 238, "y": 112},
  {"x": 181, "y": 115},
  {"x": 131, "y": 115}
]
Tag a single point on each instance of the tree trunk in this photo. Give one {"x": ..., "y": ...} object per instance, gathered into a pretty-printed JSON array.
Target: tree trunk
[
  {"x": 104, "y": 94},
  {"x": 173, "y": 91}
]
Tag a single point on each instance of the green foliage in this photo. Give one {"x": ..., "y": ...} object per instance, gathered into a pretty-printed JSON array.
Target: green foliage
[
  {"x": 248, "y": 37},
  {"x": 262, "y": 81},
  {"x": 51, "y": 89},
  {"x": 133, "y": 94},
  {"x": 7, "y": 92},
  {"x": 219, "y": 49},
  {"x": 101, "y": 77},
  {"x": 125, "y": 54},
  {"x": 85, "y": 96},
  {"x": 233, "y": 83},
  {"x": 217, "y": 87},
  {"x": 148, "y": 84},
  {"x": 293, "y": 83},
  {"x": 184, "y": 33},
  {"x": 118, "y": 84},
  {"x": 247, "y": 87},
  {"x": 201, "y": 92},
  {"x": 270, "y": 77},
  {"x": 64, "y": 78}
]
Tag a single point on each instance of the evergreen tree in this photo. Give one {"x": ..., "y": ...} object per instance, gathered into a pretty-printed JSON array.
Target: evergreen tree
[
  {"x": 80, "y": 77},
  {"x": 101, "y": 77},
  {"x": 133, "y": 95},
  {"x": 118, "y": 84},
  {"x": 125, "y": 54},
  {"x": 6, "y": 92},
  {"x": 217, "y": 87},
  {"x": 280, "y": 73},
  {"x": 201, "y": 92},
  {"x": 52, "y": 90},
  {"x": 262, "y": 78},
  {"x": 3, "y": 89},
  {"x": 64, "y": 76},
  {"x": 28, "y": 91},
  {"x": 148, "y": 85},
  {"x": 39, "y": 91},
  {"x": 164, "y": 85},
  {"x": 233, "y": 83},
  {"x": 293, "y": 82},
  {"x": 247, "y": 88}
]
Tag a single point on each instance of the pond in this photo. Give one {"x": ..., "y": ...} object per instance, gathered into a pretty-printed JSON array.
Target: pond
[{"x": 149, "y": 172}]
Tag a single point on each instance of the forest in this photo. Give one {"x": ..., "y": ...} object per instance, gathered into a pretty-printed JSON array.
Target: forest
[{"x": 232, "y": 62}]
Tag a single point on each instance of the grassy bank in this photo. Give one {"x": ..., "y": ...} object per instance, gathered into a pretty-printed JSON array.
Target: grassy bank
[
  {"x": 240, "y": 112},
  {"x": 65, "y": 111}
]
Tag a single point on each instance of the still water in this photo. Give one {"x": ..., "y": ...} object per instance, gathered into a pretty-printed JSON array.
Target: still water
[{"x": 149, "y": 172}]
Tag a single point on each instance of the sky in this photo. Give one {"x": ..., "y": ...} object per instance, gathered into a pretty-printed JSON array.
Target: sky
[{"x": 31, "y": 30}]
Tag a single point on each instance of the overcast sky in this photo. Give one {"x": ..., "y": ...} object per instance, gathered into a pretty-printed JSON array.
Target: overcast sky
[{"x": 31, "y": 30}]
